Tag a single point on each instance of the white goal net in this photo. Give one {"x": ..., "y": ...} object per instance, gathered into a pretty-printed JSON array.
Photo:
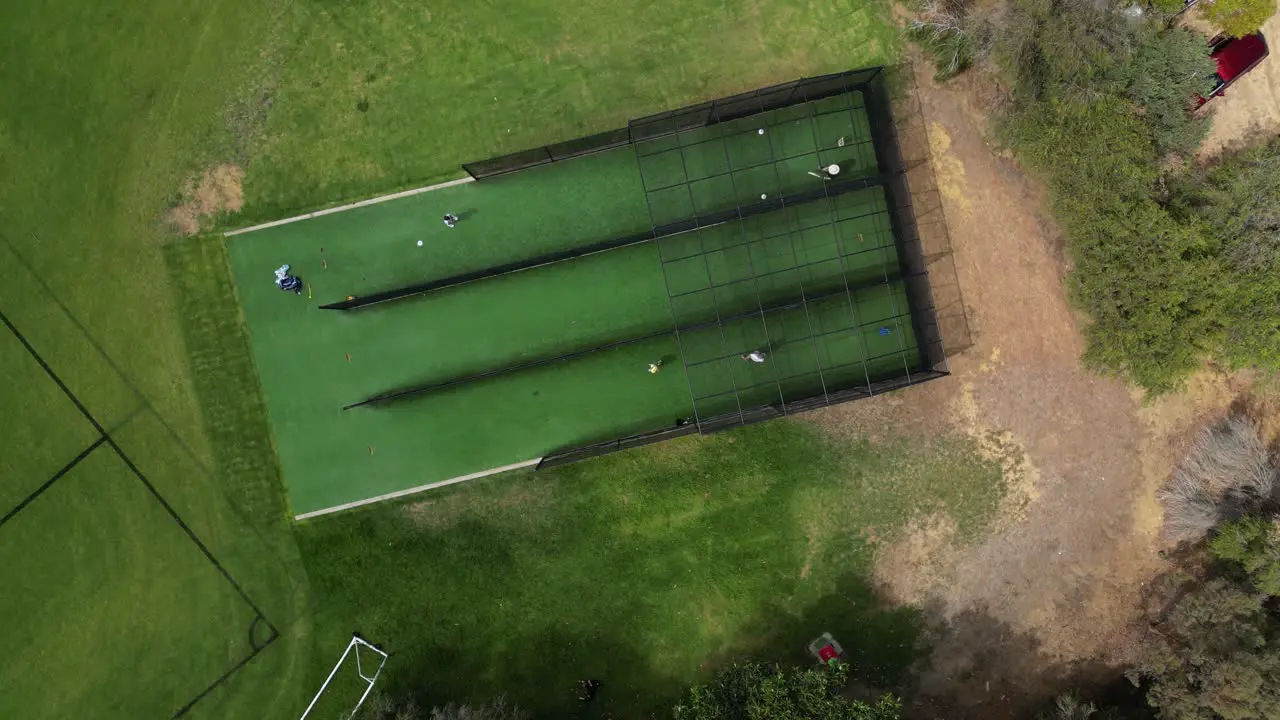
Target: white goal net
[{"x": 349, "y": 683}]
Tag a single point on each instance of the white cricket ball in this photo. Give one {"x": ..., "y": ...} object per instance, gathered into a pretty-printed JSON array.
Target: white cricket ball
[
  {"x": 764, "y": 196},
  {"x": 760, "y": 131},
  {"x": 419, "y": 243}
]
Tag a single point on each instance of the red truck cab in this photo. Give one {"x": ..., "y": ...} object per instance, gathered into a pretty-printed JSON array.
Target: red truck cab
[{"x": 1234, "y": 57}]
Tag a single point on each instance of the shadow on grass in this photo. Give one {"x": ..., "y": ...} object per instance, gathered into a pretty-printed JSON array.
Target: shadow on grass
[
  {"x": 540, "y": 671},
  {"x": 979, "y": 667}
]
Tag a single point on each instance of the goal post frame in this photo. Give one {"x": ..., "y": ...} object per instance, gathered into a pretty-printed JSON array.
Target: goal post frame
[{"x": 356, "y": 643}]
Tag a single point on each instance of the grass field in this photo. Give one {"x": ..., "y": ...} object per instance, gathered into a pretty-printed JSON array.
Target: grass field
[
  {"x": 108, "y": 110},
  {"x": 645, "y": 570}
]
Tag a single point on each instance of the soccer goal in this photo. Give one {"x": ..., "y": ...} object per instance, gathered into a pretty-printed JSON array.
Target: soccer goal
[{"x": 368, "y": 662}]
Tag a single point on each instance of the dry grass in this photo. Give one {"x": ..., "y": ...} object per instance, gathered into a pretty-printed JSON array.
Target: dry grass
[{"x": 1226, "y": 474}]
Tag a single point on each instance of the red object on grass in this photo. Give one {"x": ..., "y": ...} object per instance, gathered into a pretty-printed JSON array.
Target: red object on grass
[
  {"x": 1234, "y": 57},
  {"x": 827, "y": 653}
]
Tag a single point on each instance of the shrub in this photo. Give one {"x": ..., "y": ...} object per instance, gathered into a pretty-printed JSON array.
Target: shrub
[
  {"x": 1069, "y": 706},
  {"x": 1214, "y": 656},
  {"x": 384, "y": 707},
  {"x": 1226, "y": 474},
  {"x": 1253, "y": 543},
  {"x": 1235, "y": 204},
  {"x": 763, "y": 691},
  {"x": 1238, "y": 18},
  {"x": 952, "y": 34},
  {"x": 1167, "y": 70}
]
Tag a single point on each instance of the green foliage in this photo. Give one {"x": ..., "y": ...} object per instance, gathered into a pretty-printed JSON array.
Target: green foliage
[
  {"x": 1167, "y": 70},
  {"x": 1168, "y": 7},
  {"x": 1254, "y": 544},
  {"x": 381, "y": 706},
  {"x": 1096, "y": 101},
  {"x": 1238, "y": 18},
  {"x": 1215, "y": 656},
  {"x": 1152, "y": 309},
  {"x": 952, "y": 34},
  {"x": 762, "y": 691},
  {"x": 1061, "y": 50},
  {"x": 1236, "y": 206}
]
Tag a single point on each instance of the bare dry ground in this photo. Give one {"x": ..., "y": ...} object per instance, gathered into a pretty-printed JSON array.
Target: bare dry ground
[
  {"x": 1251, "y": 106},
  {"x": 1052, "y": 597},
  {"x": 218, "y": 189}
]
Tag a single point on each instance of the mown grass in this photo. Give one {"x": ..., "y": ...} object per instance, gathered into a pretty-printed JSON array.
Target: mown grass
[
  {"x": 379, "y": 95},
  {"x": 108, "y": 109},
  {"x": 645, "y": 570}
]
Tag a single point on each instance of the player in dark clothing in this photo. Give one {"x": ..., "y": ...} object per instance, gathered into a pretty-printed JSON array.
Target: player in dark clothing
[{"x": 288, "y": 282}]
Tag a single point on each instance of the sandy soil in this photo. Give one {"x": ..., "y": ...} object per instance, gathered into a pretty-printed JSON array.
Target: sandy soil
[
  {"x": 216, "y": 190},
  {"x": 1053, "y": 596},
  {"x": 1251, "y": 106}
]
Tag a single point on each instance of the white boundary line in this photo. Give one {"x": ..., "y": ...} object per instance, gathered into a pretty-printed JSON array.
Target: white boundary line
[
  {"x": 420, "y": 488},
  {"x": 352, "y": 206}
]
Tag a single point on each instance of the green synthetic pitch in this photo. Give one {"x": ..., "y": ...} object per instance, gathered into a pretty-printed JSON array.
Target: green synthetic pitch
[{"x": 312, "y": 363}]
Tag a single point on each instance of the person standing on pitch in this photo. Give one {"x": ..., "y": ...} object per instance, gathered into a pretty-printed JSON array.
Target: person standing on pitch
[
  {"x": 450, "y": 220},
  {"x": 655, "y": 367},
  {"x": 756, "y": 356}
]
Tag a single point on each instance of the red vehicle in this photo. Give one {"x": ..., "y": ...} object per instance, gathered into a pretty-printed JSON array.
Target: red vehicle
[{"x": 1235, "y": 57}]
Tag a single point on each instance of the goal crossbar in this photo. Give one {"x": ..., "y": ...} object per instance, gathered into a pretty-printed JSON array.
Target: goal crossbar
[{"x": 356, "y": 643}]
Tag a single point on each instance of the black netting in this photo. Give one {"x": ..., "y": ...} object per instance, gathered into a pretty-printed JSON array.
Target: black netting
[
  {"x": 670, "y": 122},
  {"x": 572, "y": 455},
  {"x": 521, "y": 160},
  {"x": 587, "y": 145}
]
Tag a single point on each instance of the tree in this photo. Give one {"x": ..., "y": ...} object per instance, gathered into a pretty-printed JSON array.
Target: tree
[
  {"x": 1252, "y": 543},
  {"x": 763, "y": 691},
  {"x": 1215, "y": 656},
  {"x": 1168, "y": 69},
  {"x": 1238, "y": 18},
  {"x": 955, "y": 33},
  {"x": 1235, "y": 205}
]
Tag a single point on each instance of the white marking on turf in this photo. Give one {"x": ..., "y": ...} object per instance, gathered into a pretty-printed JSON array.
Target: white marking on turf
[
  {"x": 351, "y": 206},
  {"x": 420, "y": 488}
]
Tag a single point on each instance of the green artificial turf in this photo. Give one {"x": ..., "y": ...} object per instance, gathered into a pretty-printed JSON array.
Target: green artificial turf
[
  {"x": 712, "y": 169},
  {"x": 646, "y": 570},
  {"x": 333, "y": 457},
  {"x": 314, "y": 362}
]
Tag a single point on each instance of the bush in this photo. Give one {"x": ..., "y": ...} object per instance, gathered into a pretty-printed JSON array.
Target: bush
[
  {"x": 1237, "y": 18},
  {"x": 384, "y": 707},
  {"x": 1167, "y": 70},
  {"x": 1170, "y": 277},
  {"x": 1214, "y": 656},
  {"x": 1235, "y": 204},
  {"x": 763, "y": 691},
  {"x": 1069, "y": 706},
  {"x": 952, "y": 34},
  {"x": 1252, "y": 543},
  {"x": 1226, "y": 474}
]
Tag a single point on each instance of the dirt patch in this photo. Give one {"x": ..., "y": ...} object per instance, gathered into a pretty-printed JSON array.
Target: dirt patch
[
  {"x": 1251, "y": 107},
  {"x": 910, "y": 569},
  {"x": 217, "y": 190},
  {"x": 1057, "y": 585}
]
